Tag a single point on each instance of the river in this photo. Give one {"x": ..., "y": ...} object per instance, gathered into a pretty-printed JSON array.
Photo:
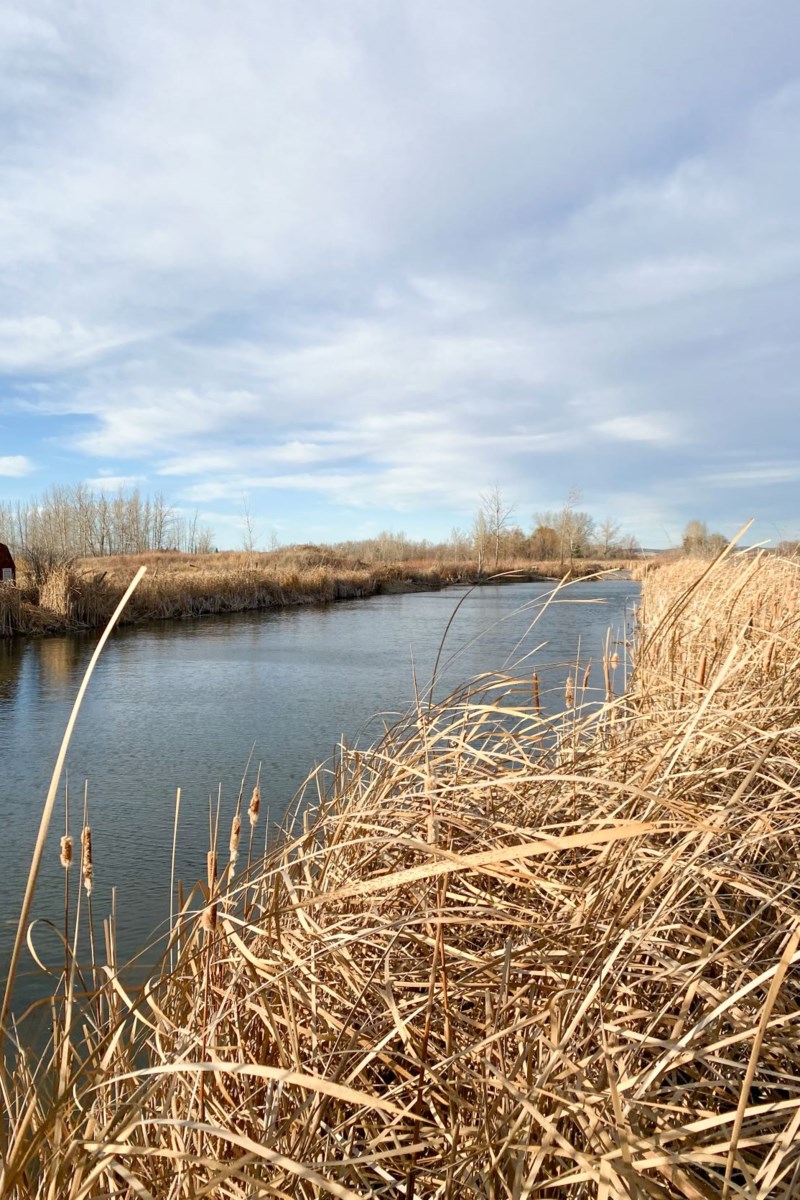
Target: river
[{"x": 181, "y": 704}]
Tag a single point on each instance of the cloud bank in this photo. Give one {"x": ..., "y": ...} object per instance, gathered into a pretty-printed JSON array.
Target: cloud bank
[{"x": 355, "y": 261}]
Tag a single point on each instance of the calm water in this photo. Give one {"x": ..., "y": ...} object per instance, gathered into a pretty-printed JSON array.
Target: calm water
[{"x": 181, "y": 705}]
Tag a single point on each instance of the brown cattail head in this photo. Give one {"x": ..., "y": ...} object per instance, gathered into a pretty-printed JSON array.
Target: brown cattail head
[
  {"x": 768, "y": 655},
  {"x": 255, "y": 805},
  {"x": 614, "y": 660},
  {"x": 536, "y": 700},
  {"x": 236, "y": 831},
  {"x": 212, "y": 869},
  {"x": 701, "y": 674},
  {"x": 66, "y": 852},
  {"x": 586, "y": 675},
  {"x": 569, "y": 692},
  {"x": 87, "y": 865}
]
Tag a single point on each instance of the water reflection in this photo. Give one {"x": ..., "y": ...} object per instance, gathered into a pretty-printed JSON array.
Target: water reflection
[
  {"x": 10, "y": 665},
  {"x": 58, "y": 659}
]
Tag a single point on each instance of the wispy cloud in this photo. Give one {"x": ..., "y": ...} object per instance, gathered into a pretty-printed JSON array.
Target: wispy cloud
[
  {"x": 758, "y": 473},
  {"x": 113, "y": 483}
]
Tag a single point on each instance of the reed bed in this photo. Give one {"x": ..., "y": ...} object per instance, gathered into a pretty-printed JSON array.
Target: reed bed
[
  {"x": 496, "y": 955},
  {"x": 83, "y": 594}
]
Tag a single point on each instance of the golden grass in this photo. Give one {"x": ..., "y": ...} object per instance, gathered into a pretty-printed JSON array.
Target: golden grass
[
  {"x": 85, "y": 594},
  {"x": 499, "y": 956}
]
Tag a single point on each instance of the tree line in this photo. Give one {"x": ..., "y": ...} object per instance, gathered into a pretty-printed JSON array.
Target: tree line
[
  {"x": 495, "y": 536},
  {"x": 557, "y": 535},
  {"x": 81, "y": 522}
]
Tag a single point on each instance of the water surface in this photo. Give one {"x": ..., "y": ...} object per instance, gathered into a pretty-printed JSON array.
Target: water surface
[{"x": 180, "y": 704}]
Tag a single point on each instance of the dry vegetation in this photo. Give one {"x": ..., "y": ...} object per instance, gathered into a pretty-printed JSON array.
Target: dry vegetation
[
  {"x": 82, "y": 594},
  {"x": 501, "y": 956}
]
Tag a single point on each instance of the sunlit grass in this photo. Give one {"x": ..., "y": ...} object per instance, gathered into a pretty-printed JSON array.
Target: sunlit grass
[
  {"x": 84, "y": 593},
  {"x": 497, "y": 955}
]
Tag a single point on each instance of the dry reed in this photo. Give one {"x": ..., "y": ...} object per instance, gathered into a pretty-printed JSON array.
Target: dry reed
[
  {"x": 84, "y": 594},
  {"x": 502, "y": 956},
  {"x": 87, "y": 862}
]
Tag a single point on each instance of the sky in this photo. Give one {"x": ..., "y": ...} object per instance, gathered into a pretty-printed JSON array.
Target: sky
[{"x": 346, "y": 264}]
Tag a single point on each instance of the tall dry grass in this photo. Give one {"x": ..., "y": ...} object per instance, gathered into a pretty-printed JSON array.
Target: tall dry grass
[
  {"x": 84, "y": 593},
  {"x": 499, "y": 956}
]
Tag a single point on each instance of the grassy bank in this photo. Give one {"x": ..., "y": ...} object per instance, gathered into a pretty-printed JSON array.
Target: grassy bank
[
  {"x": 502, "y": 956},
  {"x": 83, "y": 594}
]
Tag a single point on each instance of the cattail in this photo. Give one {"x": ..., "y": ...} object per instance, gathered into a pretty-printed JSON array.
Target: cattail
[
  {"x": 87, "y": 865},
  {"x": 66, "y": 852},
  {"x": 536, "y": 702},
  {"x": 209, "y": 918},
  {"x": 614, "y": 661},
  {"x": 211, "y": 859},
  {"x": 255, "y": 805},
  {"x": 236, "y": 830},
  {"x": 768, "y": 654},
  {"x": 586, "y": 675},
  {"x": 569, "y": 692}
]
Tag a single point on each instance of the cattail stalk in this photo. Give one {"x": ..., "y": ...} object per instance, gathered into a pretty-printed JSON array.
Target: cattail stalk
[
  {"x": 87, "y": 863},
  {"x": 236, "y": 833},
  {"x": 253, "y": 811},
  {"x": 66, "y": 862}
]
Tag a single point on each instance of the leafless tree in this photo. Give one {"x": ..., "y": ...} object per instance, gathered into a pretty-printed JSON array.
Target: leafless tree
[
  {"x": 608, "y": 532},
  {"x": 496, "y": 513}
]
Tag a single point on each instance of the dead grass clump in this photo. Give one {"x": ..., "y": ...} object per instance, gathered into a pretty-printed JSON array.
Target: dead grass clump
[
  {"x": 19, "y": 616},
  {"x": 501, "y": 956},
  {"x": 57, "y": 592},
  {"x": 10, "y": 610}
]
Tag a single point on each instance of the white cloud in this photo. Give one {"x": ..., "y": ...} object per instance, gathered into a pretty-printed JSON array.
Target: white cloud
[
  {"x": 15, "y": 465},
  {"x": 389, "y": 256},
  {"x": 112, "y": 483},
  {"x": 646, "y": 427}
]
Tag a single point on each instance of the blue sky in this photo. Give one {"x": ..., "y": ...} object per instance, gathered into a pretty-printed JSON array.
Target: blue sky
[{"x": 351, "y": 262}]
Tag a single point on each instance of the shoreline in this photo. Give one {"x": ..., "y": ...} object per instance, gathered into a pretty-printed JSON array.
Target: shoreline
[{"x": 81, "y": 600}]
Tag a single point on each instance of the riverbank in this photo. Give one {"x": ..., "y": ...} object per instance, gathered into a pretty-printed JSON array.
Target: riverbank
[
  {"x": 83, "y": 594},
  {"x": 502, "y": 954}
]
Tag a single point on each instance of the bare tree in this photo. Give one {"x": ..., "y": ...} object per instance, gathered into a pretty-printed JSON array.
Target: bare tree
[
  {"x": 608, "y": 532},
  {"x": 162, "y": 516},
  {"x": 479, "y": 537},
  {"x": 575, "y": 528},
  {"x": 496, "y": 513},
  {"x": 204, "y": 541},
  {"x": 248, "y": 535}
]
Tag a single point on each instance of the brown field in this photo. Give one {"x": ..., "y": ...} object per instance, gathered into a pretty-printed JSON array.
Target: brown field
[
  {"x": 84, "y": 593},
  {"x": 498, "y": 956}
]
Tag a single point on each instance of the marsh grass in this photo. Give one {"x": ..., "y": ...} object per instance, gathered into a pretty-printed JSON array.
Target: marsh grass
[
  {"x": 84, "y": 593},
  {"x": 497, "y": 955}
]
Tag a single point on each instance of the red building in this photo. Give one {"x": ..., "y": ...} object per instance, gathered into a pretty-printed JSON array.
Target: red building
[{"x": 8, "y": 572}]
